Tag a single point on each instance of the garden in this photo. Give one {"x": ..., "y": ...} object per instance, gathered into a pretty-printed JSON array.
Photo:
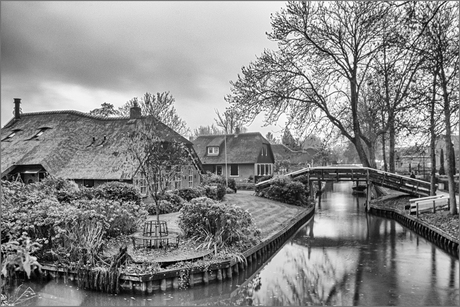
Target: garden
[{"x": 57, "y": 222}]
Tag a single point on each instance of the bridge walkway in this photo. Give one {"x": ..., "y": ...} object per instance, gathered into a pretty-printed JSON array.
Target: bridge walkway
[{"x": 367, "y": 175}]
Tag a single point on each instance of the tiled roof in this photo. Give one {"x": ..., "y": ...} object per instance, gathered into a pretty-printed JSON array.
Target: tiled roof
[
  {"x": 76, "y": 145},
  {"x": 241, "y": 149}
]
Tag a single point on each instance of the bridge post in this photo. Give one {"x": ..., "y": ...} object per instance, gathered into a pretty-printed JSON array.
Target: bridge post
[{"x": 368, "y": 196}]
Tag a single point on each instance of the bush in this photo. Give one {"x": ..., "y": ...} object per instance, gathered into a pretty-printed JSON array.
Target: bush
[
  {"x": 190, "y": 193},
  {"x": 245, "y": 186},
  {"x": 232, "y": 184},
  {"x": 221, "y": 224},
  {"x": 213, "y": 179},
  {"x": 119, "y": 191},
  {"x": 263, "y": 178},
  {"x": 35, "y": 210},
  {"x": 169, "y": 202},
  {"x": 285, "y": 190},
  {"x": 216, "y": 192}
]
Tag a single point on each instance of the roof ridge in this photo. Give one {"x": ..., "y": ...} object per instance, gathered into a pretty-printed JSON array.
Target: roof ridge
[
  {"x": 229, "y": 134},
  {"x": 75, "y": 112}
]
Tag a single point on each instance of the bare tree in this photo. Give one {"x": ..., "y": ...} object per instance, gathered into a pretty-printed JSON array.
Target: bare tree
[
  {"x": 229, "y": 121},
  {"x": 325, "y": 51},
  {"x": 271, "y": 138},
  {"x": 206, "y": 130},
  {"x": 443, "y": 45},
  {"x": 159, "y": 156},
  {"x": 106, "y": 110},
  {"x": 161, "y": 106}
]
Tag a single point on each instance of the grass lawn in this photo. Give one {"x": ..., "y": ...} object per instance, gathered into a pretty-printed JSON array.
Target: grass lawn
[{"x": 269, "y": 216}]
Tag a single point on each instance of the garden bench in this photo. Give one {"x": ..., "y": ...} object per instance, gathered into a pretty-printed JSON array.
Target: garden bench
[
  {"x": 427, "y": 203},
  {"x": 155, "y": 234},
  {"x": 140, "y": 241}
]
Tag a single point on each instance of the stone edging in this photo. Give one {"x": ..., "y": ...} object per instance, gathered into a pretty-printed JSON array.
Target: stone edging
[
  {"x": 175, "y": 278},
  {"x": 435, "y": 235}
]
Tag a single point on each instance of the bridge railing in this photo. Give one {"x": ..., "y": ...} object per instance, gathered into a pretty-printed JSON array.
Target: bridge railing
[{"x": 385, "y": 179}]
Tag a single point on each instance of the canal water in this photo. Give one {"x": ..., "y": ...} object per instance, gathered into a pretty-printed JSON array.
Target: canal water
[{"x": 342, "y": 256}]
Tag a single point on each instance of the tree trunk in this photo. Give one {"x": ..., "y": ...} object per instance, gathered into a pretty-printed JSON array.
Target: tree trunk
[
  {"x": 392, "y": 135},
  {"x": 384, "y": 153},
  {"x": 433, "y": 139},
  {"x": 356, "y": 129},
  {"x": 449, "y": 147}
]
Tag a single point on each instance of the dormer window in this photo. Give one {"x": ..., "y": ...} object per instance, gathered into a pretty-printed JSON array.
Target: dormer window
[
  {"x": 213, "y": 151},
  {"x": 11, "y": 135},
  {"x": 40, "y": 132}
]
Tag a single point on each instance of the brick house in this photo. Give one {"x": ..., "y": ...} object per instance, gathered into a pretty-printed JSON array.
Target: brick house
[
  {"x": 247, "y": 155},
  {"x": 89, "y": 150}
]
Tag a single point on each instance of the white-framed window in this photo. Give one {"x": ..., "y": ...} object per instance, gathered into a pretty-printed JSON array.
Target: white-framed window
[
  {"x": 190, "y": 176},
  {"x": 213, "y": 151},
  {"x": 264, "y": 150},
  {"x": 264, "y": 169},
  {"x": 219, "y": 169},
  {"x": 234, "y": 170},
  {"x": 140, "y": 181}
]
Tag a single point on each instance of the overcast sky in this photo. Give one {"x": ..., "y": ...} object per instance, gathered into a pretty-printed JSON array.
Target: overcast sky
[{"x": 76, "y": 55}]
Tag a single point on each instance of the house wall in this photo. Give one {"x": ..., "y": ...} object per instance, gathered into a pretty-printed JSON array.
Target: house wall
[{"x": 244, "y": 171}]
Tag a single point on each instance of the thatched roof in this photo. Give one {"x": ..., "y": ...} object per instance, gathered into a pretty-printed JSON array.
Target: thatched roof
[
  {"x": 75, "y": 145},
  {"x": 243, "y": 148}
]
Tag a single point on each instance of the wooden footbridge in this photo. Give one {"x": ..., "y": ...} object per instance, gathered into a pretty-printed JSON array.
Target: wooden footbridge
[{"x": 364, "y": 175}]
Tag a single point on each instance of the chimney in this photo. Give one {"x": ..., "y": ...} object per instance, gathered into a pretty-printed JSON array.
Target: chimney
[
  {"x": 135, "y": 112},
  {"x": 17, "y": 108}
]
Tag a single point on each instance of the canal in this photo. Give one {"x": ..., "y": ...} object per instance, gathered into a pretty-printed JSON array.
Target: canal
[{"x": 341, "y": 257}]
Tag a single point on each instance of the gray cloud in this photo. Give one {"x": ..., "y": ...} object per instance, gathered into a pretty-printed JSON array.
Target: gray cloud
[{"x": 192, "y": 49}]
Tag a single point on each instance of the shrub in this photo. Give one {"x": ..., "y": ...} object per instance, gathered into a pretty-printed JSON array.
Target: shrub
[
  {"x": 188, "y": 194},
  {"x": 213, "y": 179},
  {"x": 232, "y": 184},
  {"x": 35, "y": 210},
  {"x": 263, "y": 178},
  {"x": 216, "y": 192},
  {"x": 169, "y": 202},
  {"x": 119, "y": 191},
  {"x": 285, "y": 190},
  {"x": 218, "y": 224},
  {"x": 245, "y": 186}
]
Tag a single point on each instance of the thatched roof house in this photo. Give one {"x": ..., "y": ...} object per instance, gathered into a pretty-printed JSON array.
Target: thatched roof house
[
  {"x": 74, "y": 145},
  {"x": 246, "y": 154}
]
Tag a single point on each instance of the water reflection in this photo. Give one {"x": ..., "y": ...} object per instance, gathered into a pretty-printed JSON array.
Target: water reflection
[
  {"x": 346, "y": 257},
  {"x": 341, "y": 257}
]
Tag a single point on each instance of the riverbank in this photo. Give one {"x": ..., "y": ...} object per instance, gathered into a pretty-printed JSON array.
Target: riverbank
[
  {"x": 442, "y": 219},
  {"x": 440, "y": 227}
]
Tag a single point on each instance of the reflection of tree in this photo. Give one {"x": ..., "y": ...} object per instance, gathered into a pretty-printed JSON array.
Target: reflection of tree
[{"x": 316, "y": 283}]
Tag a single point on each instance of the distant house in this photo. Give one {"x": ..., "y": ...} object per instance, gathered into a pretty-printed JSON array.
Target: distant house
[
  {"x": 441, "y": 144},
  {"x": 89, "y": 150},
  {"x": 417, "y": 159},
  {"x": 247, "y": 155},
  {"x": 288, "y": 160}
]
